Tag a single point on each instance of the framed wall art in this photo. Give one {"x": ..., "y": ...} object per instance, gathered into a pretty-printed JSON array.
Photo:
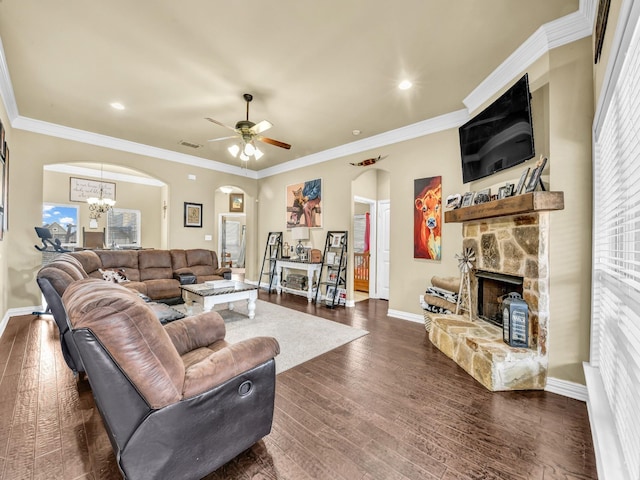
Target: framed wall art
[
  {"x": 427, "y": 218},
  {"x": 304, "y": 204},
  {"x": 82, "y": 188},
  {"x": 192, "y": 214},
  {"x": 236, "y": 202}
]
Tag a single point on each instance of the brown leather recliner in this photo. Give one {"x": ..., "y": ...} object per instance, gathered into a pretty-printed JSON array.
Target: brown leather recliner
[{"x": 177, "y": 401}]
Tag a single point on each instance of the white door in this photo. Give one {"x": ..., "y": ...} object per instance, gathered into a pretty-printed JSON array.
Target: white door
[{"x": 384, "y": 238}]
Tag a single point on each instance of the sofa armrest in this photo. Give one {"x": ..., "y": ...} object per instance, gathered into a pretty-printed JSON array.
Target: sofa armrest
[
  {"x": 197, "y": 331},
  {"x": 224, "y": 272},
  {"x": 227, "y": 363}
]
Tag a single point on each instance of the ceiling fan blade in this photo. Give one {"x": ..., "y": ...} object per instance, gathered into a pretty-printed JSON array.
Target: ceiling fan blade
[
  {"x": 221, "y": 138},
  {"x": 220, "y": 123},
  {"x": 271, "y": 141},
  {"x": 260, "y": 127}
]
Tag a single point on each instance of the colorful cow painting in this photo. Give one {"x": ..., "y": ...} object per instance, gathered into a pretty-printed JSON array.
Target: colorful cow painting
[{"x": 427, "y": 215}]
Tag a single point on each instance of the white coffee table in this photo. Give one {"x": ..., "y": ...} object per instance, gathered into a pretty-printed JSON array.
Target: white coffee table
[{"x": 213, "y": 293}]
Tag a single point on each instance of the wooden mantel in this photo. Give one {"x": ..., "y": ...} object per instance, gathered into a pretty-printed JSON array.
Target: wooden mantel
[{"x": 516, "y": 205}]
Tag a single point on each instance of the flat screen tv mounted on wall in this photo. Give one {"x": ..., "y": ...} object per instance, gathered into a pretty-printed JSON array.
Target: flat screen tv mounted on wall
[{"x": 500, "y": 136}]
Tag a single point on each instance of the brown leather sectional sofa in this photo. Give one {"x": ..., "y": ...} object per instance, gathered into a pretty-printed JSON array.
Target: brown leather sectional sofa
[{"x": 155, "y": 273}]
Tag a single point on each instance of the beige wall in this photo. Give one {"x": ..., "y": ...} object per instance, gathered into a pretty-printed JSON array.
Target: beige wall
[{"x": 145, "y": 198}]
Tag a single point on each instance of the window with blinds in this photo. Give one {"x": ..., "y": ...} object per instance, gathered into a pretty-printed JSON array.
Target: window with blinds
[
  {"x": 123, "y": 228},
  {"x": 615, "y": 339}
]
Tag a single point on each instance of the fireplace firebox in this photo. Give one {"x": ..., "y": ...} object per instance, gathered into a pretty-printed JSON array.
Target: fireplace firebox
[{"x": 492, "y": 288}]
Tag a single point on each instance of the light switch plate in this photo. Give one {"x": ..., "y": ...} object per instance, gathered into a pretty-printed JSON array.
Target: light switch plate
[{"x": 208, "y": 237}]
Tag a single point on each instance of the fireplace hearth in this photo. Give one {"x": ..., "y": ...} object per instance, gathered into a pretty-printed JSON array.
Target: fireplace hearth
[{"x": 492, "y": 288}]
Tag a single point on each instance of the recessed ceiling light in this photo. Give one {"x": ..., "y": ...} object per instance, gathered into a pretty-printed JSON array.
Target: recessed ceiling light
[
  {"x": 405, "y": 85},
  {"x": 356, "y": 132},
  {"x": 117, "y": 106}
]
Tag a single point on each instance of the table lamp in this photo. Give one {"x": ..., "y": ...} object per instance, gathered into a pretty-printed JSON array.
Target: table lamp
[{"x": 300, "y": 233}]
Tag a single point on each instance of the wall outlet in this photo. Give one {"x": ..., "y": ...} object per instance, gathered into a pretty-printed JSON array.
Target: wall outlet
[
  {"x": 208, "y": 238},
  {"x": 191, "y": 176}
]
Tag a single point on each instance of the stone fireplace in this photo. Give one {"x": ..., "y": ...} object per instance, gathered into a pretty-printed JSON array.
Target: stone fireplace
[{"x": 511, "y": 242}]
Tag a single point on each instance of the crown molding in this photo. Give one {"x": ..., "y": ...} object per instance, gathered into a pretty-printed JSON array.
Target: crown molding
[
  {"x": 76, "y": 135},
  {"x": 551, "y": 35},
  {"x": 562, "y": 31},
  {"x": 415, "y": 130}
]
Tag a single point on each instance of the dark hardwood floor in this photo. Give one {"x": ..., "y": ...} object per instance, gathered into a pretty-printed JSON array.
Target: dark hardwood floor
[{"x": 386, "y": 406}]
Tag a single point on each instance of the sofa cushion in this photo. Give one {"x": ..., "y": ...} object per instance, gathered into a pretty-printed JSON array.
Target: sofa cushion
[
  {"x": 178, "y": 259},
  {"x": 162, "y": 288},
  {"x": 90, "y": 262},
  {"x": 154, "y": 264},
  {"x": 202, "y": 257},
  {"x": 126, "y": 260},
  {"x": 132, "y": 335}
]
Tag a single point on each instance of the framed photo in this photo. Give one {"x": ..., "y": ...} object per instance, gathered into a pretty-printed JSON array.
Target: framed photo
[
  {"x": 467, "y": 199},
  {"x": 273, "y": 239},
  {"x": 502, "y": 193},
  {"x": 535, "y": 175},
  {"x": 521, "y": 182},
  {"x": 82, "y": 188},
  {"x": 336, "y": 240},
  {"x": 193, "y": 215},
  {"x": 236, "y": 202},
  {"x": 483, "y": 196},
  {"x": 453, "y": 201},
  {"x": 331, "y": 258}
]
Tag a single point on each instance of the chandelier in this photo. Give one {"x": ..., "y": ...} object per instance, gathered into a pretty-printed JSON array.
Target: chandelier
[{"x": 99, "y": 205}]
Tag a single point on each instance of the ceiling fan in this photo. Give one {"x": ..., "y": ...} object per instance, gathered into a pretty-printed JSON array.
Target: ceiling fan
[{"x": 248, "y": 132}]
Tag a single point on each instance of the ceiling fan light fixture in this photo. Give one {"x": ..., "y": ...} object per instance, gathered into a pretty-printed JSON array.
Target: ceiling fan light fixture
[
  {"x": 243, "y": 157},
  {"x": 257, "y": 154},
  {"x": 249, "y": 149},
  {"x": 234, "y": 150}
]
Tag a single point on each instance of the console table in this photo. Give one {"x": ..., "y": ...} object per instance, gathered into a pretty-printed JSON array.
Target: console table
[{"x": 313, "y": 272}]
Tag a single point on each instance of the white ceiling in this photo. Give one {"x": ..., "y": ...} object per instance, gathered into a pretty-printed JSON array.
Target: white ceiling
[{"x": 317, "y": 70}]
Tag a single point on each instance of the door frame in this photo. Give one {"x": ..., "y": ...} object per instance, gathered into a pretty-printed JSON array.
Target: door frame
[{"x": 373, "y": 242}]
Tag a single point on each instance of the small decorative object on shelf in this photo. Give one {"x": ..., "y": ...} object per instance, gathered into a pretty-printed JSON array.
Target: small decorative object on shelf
[
  {"x": 515, "y": 321},
  {"x": 534, "y": 179},
  {"x": 522, "y": 181},
  {"x": 453, "y": 201},
  {"x": 465, "y": 264},
  {"x": 482, "y": 196},
  {"x": 467, "y": 199}
]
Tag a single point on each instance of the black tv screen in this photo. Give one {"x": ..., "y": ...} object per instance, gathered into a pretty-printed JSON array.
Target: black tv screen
[{"x": 500, "y": 136}]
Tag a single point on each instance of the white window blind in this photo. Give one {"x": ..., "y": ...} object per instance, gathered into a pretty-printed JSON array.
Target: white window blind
[
  {"x": 615, "y": 339},
  {"x": 123, "y": 228}
]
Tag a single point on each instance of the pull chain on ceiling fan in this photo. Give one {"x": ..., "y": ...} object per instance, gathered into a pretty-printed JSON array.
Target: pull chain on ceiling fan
[{"x": 248, "y": 132}]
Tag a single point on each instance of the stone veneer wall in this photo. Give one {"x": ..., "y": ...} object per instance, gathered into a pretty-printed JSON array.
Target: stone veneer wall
[{"x": 514, "y": 245}]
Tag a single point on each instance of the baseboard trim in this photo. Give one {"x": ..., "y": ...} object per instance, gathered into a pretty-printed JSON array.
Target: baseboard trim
[
  {"x": 606, "y": 443},
  {"x": 567, "y": 389},
  {"x": 411, "y": 317},
  {"x": 14, "y": 312}
]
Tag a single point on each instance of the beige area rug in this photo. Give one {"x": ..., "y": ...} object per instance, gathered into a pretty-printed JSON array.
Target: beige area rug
[{"x": 301, "y": 336}]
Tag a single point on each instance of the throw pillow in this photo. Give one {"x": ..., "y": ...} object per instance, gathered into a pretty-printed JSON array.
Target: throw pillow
[{"x": 115, "y": 276}]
